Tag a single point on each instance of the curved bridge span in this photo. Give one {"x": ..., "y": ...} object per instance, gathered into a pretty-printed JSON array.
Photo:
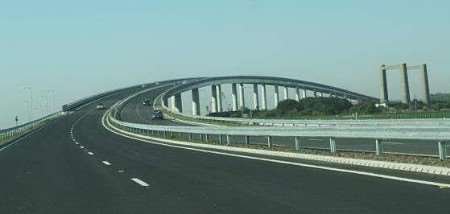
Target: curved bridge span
[{"x": 302, "y": 89}]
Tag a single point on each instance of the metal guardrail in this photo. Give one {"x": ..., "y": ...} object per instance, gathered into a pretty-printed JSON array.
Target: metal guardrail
[
  {"x": 410, "y": 130},
  {"x": 9, "y": 134}
]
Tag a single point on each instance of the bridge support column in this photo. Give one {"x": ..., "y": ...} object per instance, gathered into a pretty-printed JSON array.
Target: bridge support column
[
  {"x": 315, "y": 93},
  {"x": 255, "y": 97},
  {"x": 241, "y": 97},
  {"x": 195, "y": 102},
  {"x": 178, "y": 103},
  {"x": 213, "y": 99},
  {"x": 219, "y": 98},
  {"x": 305, "y": 95},
  {"x": 384, "y": 96},
  {"x": 297, "y": 94},
  {"x": 264, "y": 97},
  {"x": 426, "y": 87},
  {"x": 286, "y": 93},
  {"x": 276, "y": 96},
  {"x": 404, "y": 84},
  {"x": 234, "y": 96},
  {"x": 172, "y": 103}
]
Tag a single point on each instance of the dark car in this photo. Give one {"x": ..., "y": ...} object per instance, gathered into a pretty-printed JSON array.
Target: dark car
[{"x": 157, "y": 115}]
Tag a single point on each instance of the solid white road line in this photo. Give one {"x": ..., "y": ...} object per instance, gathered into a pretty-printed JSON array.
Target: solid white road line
[
  {"x": 90, "y": 153},
  {"x": 441, "y": 185},
  {"x": 140, "y": 182},
  {"x": 106, "y": 163}
]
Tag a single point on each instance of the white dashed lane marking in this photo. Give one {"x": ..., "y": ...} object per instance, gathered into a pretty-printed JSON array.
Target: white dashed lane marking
[
  {"x": 90, "y": 153},
  {"x": 140, "y": 182}
]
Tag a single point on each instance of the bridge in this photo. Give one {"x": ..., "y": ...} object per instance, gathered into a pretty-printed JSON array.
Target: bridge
[{"x": 119, "y": 160}]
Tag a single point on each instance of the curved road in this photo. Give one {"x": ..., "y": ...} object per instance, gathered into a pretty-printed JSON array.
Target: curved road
[
  {"x": 135, "y": 111},
  {"x": 100, "y": 172}
]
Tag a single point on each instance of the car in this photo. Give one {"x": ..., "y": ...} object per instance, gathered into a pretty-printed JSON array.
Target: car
[
  {"x": 147, "y": 102},
  {"x": 100, "y": 106},
  {"x": 157, "y": 115}
]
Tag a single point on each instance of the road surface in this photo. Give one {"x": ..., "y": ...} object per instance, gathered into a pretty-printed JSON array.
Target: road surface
[{"x": 100, "y": 172}]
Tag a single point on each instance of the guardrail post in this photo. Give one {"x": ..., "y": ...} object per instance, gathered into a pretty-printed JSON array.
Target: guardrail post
[
  {"x": 247, "y": 140},
  {"x": 165, "y": 134},
  {"x": 220, "y": 139},
  {"x": 228, "y": 140},
  {"x": 297, "y": 143},
  {"x": 379, "y": 147},
  {"x": 269, "y": 142},
  {"x": 190, "y": 136},
  {"x": 206, "y": 138},
  {"x": 332, "y": 145},
  {"x": 442, "y": 150}
]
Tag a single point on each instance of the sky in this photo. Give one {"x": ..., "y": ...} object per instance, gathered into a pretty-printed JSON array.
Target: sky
[{"x": 64, "y": 50}]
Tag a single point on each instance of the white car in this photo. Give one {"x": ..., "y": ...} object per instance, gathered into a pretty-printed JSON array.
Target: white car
[{"x": 100, "y": 106}]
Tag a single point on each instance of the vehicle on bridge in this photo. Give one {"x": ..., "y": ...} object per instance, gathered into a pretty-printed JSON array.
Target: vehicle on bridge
[
  {"x": 157, "y": 115},
  {"x": 147, "y": 102},
  {"x": 100, "y": 106}
]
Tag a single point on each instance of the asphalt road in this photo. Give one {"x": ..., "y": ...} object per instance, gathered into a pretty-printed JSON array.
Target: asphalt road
[
  {"x": 47, "y": 172},
  {"x": 135, "y": 111}
]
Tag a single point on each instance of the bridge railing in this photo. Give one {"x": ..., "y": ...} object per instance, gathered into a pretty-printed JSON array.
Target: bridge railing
[
  {"x": 439, "y": 135},
  {"x": 7, "y": 135}
]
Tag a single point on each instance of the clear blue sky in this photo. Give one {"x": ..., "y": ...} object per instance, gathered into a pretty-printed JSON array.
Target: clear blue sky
[{"x": 78, "y": 48}]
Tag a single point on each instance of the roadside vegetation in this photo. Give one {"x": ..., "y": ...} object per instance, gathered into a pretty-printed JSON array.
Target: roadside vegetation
[{"x": 338, "y": 108}]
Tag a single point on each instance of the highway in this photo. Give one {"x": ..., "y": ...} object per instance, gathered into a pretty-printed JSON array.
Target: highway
[
  {"x": 136, "y": 112},
  {"x": 95, "y": 171}
]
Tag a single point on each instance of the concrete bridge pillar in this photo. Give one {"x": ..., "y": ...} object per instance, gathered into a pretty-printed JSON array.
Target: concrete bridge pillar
[
  {"x": 219, "y": 98},
  {"x": 177, "y": 104},
  {"x": 426, "y": 87},
  {"x": 286, "y": 93},
  {"x": 297, "y": 94},
  {"x": 384, "y": 96},
  {"x": 315, "y": 93},
  {"x": 234, "y": 96},
  {"x": 195, "y": 102},
  {"x": 255, "y": 97},
  {"x": 404, "y": 84},
  {"x": 264, "y": 97},
  {"x": 213, "y": 99},
  {"x": 241, "y": 96},
  {"x": 276, "y": 96},
  {"x": 305, "y": 95}
]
